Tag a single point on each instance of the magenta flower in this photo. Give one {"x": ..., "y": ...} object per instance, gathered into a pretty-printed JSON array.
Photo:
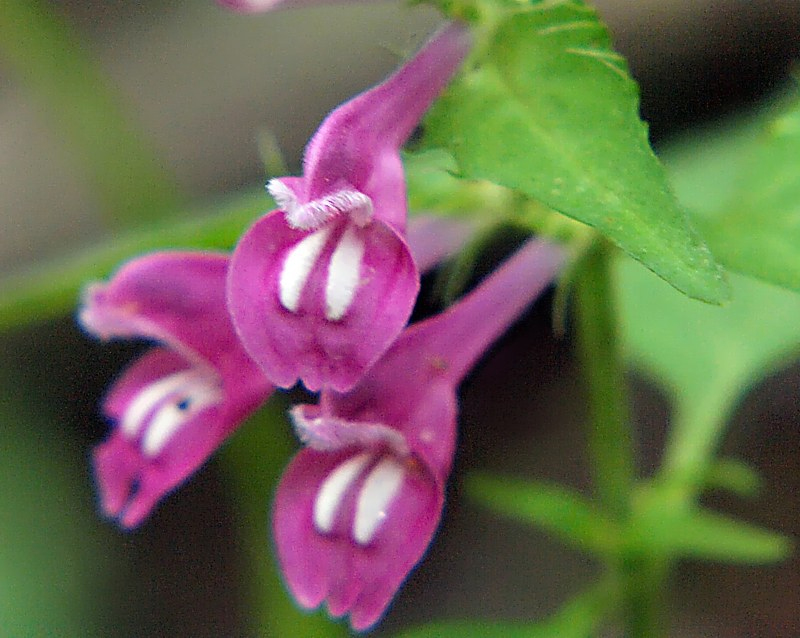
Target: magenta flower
[
  {"x": 254, "y": 6},
  {"x": 434, "y": 239},
  {"x": 319, "y": 289},
  {"x": 177, "y": 403},
  {"x": 356, "y": 509}
]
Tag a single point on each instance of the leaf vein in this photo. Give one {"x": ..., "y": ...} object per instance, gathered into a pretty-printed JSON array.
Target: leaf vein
[
  {"x": 546, "y": 5},
  {"x": 569, "y": 26},
  {"x": 606, "y": 58}
]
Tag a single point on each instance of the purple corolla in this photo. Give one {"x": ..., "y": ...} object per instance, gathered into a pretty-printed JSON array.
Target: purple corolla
[
  {"x": 177, "y": 403},
  {"x": 254, "y": 6},
  {"x": 320, "y": 288},
  {"x": 357, "y": 508}
]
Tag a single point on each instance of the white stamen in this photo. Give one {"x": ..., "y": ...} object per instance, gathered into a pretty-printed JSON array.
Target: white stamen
[
  {"x": 198, "y": 394},
  {"x": 333, "y": 489},
  {"x": 150, "y": 396},
  {"x": 380, "y": 488},
  {"x": 297, "y": 267},
  {"x": 344, "y": 274}
]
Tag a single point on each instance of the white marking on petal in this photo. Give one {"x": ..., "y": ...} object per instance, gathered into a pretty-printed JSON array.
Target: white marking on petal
[
  {"x": 195, "y": 396},
  {"x": 344, "y": 274},
  {"x": 297, "y": 267},
  {"x": 379, "y": 490},
  {"x": 333, "y": 489},
  {"x": 149, "y": 397}
]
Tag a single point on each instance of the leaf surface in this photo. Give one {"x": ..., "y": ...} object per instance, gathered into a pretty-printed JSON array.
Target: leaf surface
[{"x": 549, "y": 109}]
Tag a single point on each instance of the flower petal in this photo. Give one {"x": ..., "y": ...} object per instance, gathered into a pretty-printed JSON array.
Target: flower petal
[
  {"x": 320, "y": 307},
  {"x": 169, "y": 416},
  {"x": 384, "y": 519},
  {"x": 254, "y": 6},
  {"x": 433, "y": 239},
  {"x": 175, "y": 298}
]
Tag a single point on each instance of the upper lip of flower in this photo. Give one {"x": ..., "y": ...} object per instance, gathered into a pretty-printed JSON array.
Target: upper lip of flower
[
  {"x": 328, "y": 433},
  {"x": 352, "y": 163},
  {"x": 315, "y": 213},
  {"x": 112, "y": 321}
]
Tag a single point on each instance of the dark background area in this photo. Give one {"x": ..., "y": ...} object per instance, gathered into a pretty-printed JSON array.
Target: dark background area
[{"x": 202, "y": 82}]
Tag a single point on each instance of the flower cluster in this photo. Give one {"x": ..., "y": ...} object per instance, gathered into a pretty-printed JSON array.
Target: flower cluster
[{"x": 319, "y": 291}]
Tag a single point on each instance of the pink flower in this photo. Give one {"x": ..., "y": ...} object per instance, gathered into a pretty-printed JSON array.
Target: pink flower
[
  {"x": 255, "y": 6},
  {"x": 319, "y": 289},
  {"x": 174, "y": 406},
  {"x": 356, "y": 510}
]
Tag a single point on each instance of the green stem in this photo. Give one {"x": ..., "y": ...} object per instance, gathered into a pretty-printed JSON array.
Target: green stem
[
  {"x": 644, "y": 584},
  {"x": 46, "y": 55},
  {"x": 640, "y": 576},
  {"x": 692, "y": 443},
  {"x": 610, "y": 440}
]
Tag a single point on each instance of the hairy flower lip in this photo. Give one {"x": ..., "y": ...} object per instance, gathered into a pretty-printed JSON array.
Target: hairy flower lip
[
  {"x": 313, "y": 214},
  {"x": 325, "y": 433}
]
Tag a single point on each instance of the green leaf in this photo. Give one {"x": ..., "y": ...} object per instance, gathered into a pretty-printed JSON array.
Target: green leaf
[
  {"x": 758, "y": 230},
  {"x": 558, "y": 510},
  {"x": 705, "y": 163},
  {"x": 706, "y": 357},
  {"x": 473, "y": 629},
  {"x": 707, "y": 535},
  {"x": 734, "y": 476},
  {"x": 715, "y": 537},
  {"x": 549, "y": 109},
  {"x": 53, "y": 289},
  {"x": 579, "y": 618},
  {"x": 433, "y": 187}
]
